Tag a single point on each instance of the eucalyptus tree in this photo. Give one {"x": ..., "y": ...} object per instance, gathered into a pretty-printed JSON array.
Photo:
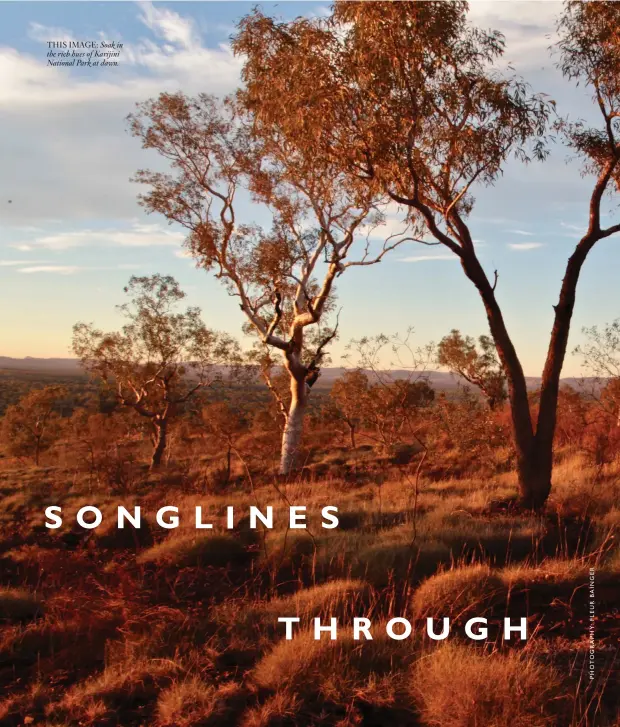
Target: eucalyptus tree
[
  {"x": 160, "y": 358},
  {"x": 221, "y": 177},
  {"x": 405, "y": 99},
  {"x": 476, "y": 364}
]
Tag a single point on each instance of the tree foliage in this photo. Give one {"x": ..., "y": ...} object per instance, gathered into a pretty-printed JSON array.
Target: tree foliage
[
  {"x": 478, "y": 366},
  {"x": 34, "y": 424},
  {"x": 160, "y": 358}
]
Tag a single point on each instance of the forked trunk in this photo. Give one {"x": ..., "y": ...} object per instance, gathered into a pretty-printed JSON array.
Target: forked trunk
[
  {"x": 534, "y": 443},
  {"x": 160, "y": 443},
  {"x": 293, "y": 429},
  {"x": 534, "y": 475}
]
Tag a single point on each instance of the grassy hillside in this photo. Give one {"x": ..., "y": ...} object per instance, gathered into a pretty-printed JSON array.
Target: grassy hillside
[{"x": 179, "y": 627}]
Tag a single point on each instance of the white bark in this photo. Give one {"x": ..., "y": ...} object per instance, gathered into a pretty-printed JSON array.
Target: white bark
[{"x": 293, "y": 429}]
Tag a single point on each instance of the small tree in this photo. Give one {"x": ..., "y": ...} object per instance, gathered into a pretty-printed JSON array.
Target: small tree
[
  {"x": 225, "y": 423},
  {"x": 573, "y": 410},
  {"x": 33, "y": 425},
  {"x": 479, "y": 367},
  {"x": 102, "y": 442},
  {"x": 469, "y": 435},
  {"x": 600, "y": 356},
  {"x": 400, "y": 390},
  {"x": 348, "y": 396},
  {"x": 391, "y": 409},
  {"x": 160, "y": 357}
]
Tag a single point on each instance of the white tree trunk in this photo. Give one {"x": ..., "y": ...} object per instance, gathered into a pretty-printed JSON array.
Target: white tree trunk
[{"x": 293, "y": 429}]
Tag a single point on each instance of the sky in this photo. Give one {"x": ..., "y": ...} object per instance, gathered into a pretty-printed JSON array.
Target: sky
[{"x": 72, "y": 232}]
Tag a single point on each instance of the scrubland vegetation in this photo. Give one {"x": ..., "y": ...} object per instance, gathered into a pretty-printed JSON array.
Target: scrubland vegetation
[{"x": 179, "y": 627}]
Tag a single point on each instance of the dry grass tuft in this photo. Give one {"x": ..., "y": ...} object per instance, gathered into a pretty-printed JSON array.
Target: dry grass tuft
[
  {"x": 392, "y": 557},
  {"x": 279, "y": 710},
  {"x": 18, "y": 604},
  {"x": 194, "y": 702},
  {"x": 191, "y": 550},
  {"x": 459, "y": 593},
  {"x": 458, "y": 686},
  {"x": 125, "y": 686},
  {"x": 108, "y": 535},
  {"x": 332, "y": 669},
  {"x": 286, "y": 548},
  {"x": 552, "y": 570},
  {"x": 31, "y": 702},
  {"x": 343, "y": 599}
]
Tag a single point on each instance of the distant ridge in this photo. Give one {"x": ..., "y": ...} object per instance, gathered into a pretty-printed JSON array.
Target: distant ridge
[
  {"x": 66, "y": 366},
  {"x": 71, "y": 367}
]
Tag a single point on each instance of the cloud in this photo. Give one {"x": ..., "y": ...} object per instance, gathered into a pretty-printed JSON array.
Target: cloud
[
  {"x": 66, "y": 269},
  {"x": 577, "y": 228},
  {"x": 59, "y": 269},
  {"x": 525, "y": 245},
  {"x": 13, "y": 263},
  {"x": 529, "y": 28},
  {"x": 29, "y": 228},
  {"x": 521, "y": 232},
  {"x": 170, "y": 26},
  {"x": 574, "y": 231},
  {"x": 323, "y": 11},
  {"x": 63, "y": 130},
  {"x": 425, "y": 258},
  {"x": 139, "y": 235},
  {"x": 394, "y": 224},
  {"x": 179, "y": 60},
  {"x": 43, "y": 33},
  {"x": 491, "y": 220}
]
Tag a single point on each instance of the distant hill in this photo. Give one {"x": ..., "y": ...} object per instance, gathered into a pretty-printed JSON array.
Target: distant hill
[
  {"x": 57, "y": 366},
  {"x": 71, "y": 367}
]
